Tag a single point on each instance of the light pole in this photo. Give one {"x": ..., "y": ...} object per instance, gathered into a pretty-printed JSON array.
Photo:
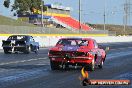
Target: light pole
[
  {"x": 42, "y": 14},
  {"x": 104, "y": 15},
  {"x": 79, "y": 16},
  {"x": 124, "y": 22}
]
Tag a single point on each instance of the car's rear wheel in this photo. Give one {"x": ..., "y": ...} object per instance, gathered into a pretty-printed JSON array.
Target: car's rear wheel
[
  {"x": 6, "y": 51},
  {"x": 54, "y": 65},
  {"x": 66, "y": 67},
  {"x": 92, "y": 65},
  {"x": 101, "y": 64}
]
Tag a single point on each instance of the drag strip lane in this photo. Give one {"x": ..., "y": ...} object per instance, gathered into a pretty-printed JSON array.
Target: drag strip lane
[
  {"x": 109, "y": 56},
  {"x": 22, "y": 58},
  {"x": 64, "y": 79},
  {"x": 27, "y": 72}
]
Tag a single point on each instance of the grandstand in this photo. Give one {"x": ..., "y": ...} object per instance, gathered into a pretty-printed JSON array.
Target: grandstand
[{"x": 55, "y": 16}]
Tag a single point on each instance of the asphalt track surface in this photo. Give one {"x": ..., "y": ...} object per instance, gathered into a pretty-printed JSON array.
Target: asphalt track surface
[{"x": 33, "y": 70}]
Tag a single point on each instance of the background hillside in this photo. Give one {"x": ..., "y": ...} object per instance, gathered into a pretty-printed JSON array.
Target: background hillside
[
  {"x": 9, "y": 25},
  {"x": 119, "y": 29},
  {"x": 9, "y": 21}
]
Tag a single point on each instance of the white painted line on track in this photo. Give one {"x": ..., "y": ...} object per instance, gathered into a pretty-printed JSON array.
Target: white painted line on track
[{"x": 22, "y": 61}]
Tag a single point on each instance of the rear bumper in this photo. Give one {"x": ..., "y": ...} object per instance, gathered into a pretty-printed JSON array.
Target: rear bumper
[
  {"x": 9, "y": 48},
  {"x": 16, "y": 48},
  {"x": 72, "y": 61},
  {"x": 19, "y": 48}
]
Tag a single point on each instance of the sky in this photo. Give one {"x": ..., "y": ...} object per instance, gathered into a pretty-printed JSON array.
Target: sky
[{"x": 92, "y": 11}]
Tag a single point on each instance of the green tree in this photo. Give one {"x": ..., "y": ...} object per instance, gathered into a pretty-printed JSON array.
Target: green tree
[
  {"x": 6, "y": 3},
  {"x": 26, "y": 6}
]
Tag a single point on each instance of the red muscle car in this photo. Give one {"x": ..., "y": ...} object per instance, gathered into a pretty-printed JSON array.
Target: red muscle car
[{"x": 76, "y": 52}]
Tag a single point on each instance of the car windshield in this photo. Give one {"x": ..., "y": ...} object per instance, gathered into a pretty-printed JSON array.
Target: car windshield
[
  {"x": 72, "y": 42},
  {"x": 17, "y": 38}
]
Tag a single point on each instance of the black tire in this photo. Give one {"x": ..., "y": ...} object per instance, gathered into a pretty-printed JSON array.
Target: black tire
[
  {"x": 101, "y": 64},
  {"x": 54, "y": 65},
  {"x": 16, "y": 52},
  {"x": 66, "y": 67},
  {"x": 91, "y": 66},
  {"x": 84, "y": 82},
  {"x": 37, "y": 49},
  {"x": 6, "y": 51},
  {"x": 28, "y": 50}
]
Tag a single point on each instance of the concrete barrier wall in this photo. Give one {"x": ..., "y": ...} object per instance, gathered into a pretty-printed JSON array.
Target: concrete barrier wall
[{"x": 46, "y": 41}]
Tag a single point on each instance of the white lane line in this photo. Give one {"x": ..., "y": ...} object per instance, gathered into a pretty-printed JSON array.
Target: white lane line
[{"x": 22, "y": 61}]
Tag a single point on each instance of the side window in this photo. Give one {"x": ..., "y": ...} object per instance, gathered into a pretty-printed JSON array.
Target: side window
[
  {"x": 84, "y": 43},
  {"x": 73, "y": 42},
  {"x": 95, "y": 44},
  {"x": 59, "y": 42}
]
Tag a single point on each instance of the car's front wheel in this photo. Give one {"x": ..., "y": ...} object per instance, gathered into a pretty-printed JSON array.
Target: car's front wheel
[
  {"x": 37, "y": 49},
  {"x": 28, "y": 50},
  {"x": 54, "y": 65}
]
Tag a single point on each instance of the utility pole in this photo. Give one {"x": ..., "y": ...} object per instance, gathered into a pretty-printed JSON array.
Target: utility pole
[
  {"x": 127, "y": 11},
  {"x": 104, "y": 15},
  {"x": 79, "y": 16},
  {"x": 42, "y": 13},
  {"x": 125, "y": 17}
]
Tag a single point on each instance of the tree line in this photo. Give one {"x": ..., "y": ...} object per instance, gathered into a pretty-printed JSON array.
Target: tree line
[{"x": 24, "y": 7}]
